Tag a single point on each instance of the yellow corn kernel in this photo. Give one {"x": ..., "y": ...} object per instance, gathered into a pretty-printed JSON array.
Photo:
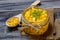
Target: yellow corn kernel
[{"x": 42, "y": 16}]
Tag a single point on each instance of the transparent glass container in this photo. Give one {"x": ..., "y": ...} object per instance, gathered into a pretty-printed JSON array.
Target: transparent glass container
[{"x": 35, "y": 27}]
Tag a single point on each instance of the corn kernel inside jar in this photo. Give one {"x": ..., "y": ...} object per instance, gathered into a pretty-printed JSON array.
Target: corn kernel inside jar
[
  {"x": 12, "y": 22},
  {"x": 35, "y": 16}
]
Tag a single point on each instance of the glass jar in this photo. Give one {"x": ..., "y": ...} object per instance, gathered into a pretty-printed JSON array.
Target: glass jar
[{"x": 36, "y": 20}]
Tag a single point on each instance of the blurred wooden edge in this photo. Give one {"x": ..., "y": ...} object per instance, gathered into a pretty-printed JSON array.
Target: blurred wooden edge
[{"x": 57, "y": 25}]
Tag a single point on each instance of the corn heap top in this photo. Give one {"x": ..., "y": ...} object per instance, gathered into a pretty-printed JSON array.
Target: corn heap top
[{"x": 35, "y": 15}]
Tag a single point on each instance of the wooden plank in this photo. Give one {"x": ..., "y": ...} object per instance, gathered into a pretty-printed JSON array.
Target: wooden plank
[{"x": 57, "y": 24}]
